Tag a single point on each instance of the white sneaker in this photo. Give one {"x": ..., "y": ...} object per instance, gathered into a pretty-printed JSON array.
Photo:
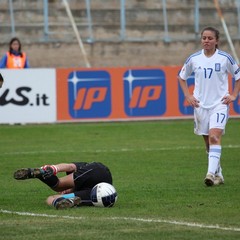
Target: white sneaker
[
  {"x": 218, "y": 180},
  {"x": 209, "y": 179}
]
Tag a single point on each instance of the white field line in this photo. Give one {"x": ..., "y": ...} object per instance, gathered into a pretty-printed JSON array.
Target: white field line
[
  {"x": 116, "y": 150},
  {"x": 172, "y": 222}
]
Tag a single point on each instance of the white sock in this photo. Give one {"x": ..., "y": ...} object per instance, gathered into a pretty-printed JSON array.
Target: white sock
[
  {"x": 214, "y": 158},
  {"x": 219, "y": 171}
]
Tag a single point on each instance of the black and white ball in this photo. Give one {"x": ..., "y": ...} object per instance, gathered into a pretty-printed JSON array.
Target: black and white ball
[{"x": 103, "y": 195}]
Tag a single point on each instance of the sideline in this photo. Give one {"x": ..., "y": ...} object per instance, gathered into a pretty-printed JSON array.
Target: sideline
[
  {"x": 173, "y": 222},
  {"x": 119, "y": 150}
]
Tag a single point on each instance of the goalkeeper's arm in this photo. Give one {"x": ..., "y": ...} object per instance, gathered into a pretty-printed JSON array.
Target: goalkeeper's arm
[{"x": 1, "y": 80}]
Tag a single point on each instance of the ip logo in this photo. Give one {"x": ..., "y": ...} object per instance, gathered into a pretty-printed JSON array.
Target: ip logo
[
  {"x": 144, "y": 92},
  {"x": 89, "y": 94},
  {"x": 184, "y": 106},
  {"x": 236, "y": 103}
]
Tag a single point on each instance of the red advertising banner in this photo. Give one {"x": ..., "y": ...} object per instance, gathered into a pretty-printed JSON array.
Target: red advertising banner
[{"x": 111, "y": 94}]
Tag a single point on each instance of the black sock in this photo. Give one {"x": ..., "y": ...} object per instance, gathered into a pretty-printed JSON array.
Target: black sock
[{"x": 51, "y": 181}]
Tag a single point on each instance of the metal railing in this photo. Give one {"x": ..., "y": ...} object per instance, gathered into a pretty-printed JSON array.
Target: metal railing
[{"x": 123, "y": 34}]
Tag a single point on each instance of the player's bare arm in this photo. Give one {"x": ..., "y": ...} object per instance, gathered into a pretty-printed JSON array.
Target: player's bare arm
[
  {"x": 232, "y": 97},
  {"x": 190, "y": 98}
]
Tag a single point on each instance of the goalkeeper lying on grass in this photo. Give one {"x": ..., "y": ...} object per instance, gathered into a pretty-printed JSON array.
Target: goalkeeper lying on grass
[{"x": 74, "y": 189}]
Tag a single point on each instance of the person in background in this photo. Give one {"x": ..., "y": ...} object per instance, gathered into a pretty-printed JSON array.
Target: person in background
[
  {"x": 74, "y": 189},
  {"x": 14, "y": 58},
  {"x": 211, "y": 97},
  {"x": 1, "y": 80}
]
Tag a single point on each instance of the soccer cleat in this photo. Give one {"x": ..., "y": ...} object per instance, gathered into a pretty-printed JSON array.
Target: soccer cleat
[
  {"x": 218, "y": 180},
  {"x": 209, "y": 179},
  {"x": 68, "y": 203},
  {"x": 26, "y": 173}
]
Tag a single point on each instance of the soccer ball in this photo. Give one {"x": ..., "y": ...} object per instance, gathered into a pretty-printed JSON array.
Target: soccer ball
[{"x": 103, "y": 195}]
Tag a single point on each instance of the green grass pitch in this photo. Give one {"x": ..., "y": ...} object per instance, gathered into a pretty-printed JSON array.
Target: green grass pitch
[{"x": 158, "y": 169}]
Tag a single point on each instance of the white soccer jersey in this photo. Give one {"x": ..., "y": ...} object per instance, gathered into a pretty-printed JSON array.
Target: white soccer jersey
[{"x": 211, "y": 76}]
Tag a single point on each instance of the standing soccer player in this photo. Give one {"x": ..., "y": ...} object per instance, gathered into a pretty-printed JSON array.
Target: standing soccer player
[{"x": 211, "y": 97}]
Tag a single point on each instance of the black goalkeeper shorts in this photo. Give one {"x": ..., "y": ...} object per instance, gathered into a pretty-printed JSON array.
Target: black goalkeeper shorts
[{"x": 87, "y": 176}]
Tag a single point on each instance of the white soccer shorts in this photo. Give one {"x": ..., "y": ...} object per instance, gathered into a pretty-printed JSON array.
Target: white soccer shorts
[{"x": 206, "y": 119}]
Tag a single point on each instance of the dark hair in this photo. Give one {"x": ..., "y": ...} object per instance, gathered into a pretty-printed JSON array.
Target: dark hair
[
  {"x": 20, "y": 45},
  {"x": 212, "y": 29}
]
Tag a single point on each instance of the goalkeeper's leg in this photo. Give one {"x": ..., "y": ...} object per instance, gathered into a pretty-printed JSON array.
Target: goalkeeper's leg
[{"x": 46, "y": 174}]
